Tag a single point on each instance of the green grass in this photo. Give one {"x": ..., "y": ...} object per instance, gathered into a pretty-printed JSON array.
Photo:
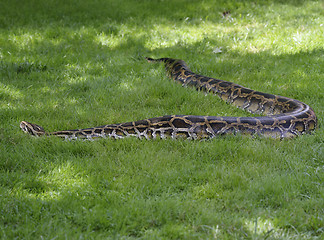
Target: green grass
[{"x": 76, "y": 64}]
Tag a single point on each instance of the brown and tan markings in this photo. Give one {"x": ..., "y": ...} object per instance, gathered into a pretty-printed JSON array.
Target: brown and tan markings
[{"x": 283, "y": 117}]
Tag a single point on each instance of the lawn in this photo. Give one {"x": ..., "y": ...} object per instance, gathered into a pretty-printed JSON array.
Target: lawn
[{"x": 76, "y": 64}]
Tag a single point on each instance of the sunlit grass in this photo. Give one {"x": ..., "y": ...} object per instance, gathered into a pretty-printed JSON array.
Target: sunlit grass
[{"x": 67, "y": 64}]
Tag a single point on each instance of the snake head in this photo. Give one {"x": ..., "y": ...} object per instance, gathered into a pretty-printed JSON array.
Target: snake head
[{"x": 32, "y": 128}]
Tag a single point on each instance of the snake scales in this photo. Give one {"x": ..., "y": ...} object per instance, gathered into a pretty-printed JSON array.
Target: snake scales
[{"x": 283, "y": 117}]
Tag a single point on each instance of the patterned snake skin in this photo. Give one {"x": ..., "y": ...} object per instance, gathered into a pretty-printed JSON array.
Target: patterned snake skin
[{"x": 284, "y": 117}]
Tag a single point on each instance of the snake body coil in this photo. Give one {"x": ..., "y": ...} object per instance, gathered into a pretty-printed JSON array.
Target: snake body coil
[{"x": 284, "y": 117}]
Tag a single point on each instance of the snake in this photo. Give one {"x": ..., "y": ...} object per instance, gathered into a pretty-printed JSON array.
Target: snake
[{"x": 278, "y": 116}]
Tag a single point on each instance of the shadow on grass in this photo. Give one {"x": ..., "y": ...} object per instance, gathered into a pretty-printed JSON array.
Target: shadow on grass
[
  {"x": 74, "y": 13},
  {"x": 101, "y": 75}
]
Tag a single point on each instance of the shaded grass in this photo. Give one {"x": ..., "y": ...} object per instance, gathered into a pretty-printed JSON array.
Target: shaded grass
[{"x": 71, "y": 64}]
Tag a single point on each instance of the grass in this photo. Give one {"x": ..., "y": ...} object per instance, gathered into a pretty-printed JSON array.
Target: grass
[{"x": 75, "y": 64}]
